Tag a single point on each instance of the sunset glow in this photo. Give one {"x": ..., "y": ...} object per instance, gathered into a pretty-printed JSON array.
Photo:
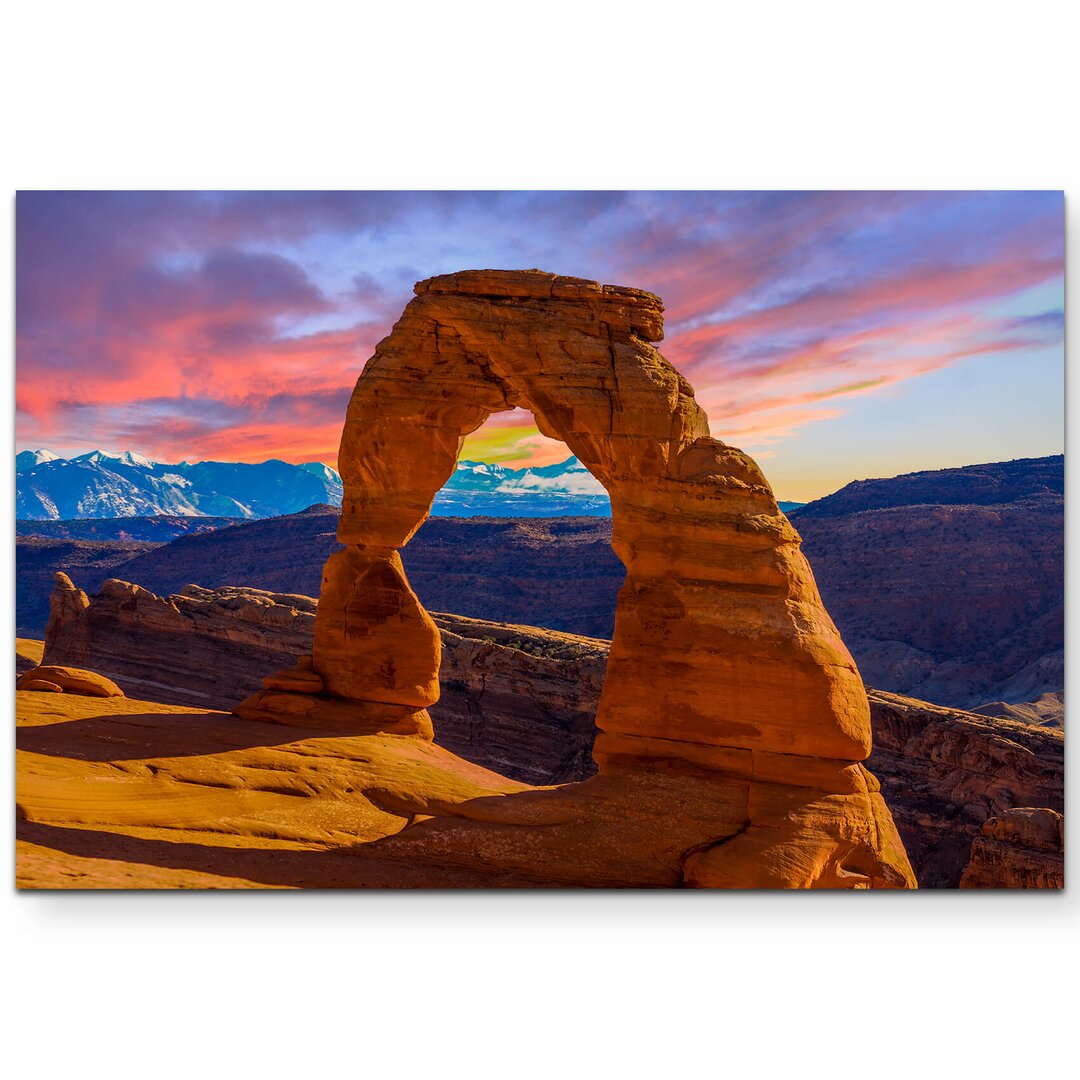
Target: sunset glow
[{"x": 834, "y": 335}]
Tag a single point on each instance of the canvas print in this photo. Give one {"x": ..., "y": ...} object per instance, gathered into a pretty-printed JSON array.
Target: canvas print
[{"x": 540, "y": 539}]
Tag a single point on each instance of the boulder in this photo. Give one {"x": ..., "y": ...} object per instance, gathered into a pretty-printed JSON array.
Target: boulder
[{"x": 73, "y": 680}]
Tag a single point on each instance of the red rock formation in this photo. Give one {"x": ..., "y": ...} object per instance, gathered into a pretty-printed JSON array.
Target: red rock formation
[
  {"x": 945, "y": 772},
  {"x": 1022, "y": 848},
  {"x": 517, "y": 699},
  {"x": 723, "y": 658}
]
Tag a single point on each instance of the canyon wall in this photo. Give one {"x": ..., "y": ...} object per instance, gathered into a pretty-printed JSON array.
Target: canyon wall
[{"x": 516, "y": 699}]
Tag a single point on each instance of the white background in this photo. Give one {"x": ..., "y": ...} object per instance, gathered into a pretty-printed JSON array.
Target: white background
[{"x": 567, "y": 95}]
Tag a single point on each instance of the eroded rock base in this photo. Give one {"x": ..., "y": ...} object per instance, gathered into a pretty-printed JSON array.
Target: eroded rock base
[{"x": 127, "y": 793}]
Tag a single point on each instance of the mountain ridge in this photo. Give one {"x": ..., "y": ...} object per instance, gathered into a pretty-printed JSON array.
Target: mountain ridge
[
  {"x": 99, "y": 484},
  {"x": 948, "y": 585},
  {"x": 986, "y": 484},
  {"x": 103, "y": 485}
]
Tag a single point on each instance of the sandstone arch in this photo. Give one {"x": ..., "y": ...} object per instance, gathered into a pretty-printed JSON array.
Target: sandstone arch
[{"x": 723, "y": 658}]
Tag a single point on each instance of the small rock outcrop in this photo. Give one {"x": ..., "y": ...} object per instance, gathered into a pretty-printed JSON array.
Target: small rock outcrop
[
  {"x": 42, "y": 685},
  {"x": 56, "y": 679},
  {"x": 1022, "y": 848}
]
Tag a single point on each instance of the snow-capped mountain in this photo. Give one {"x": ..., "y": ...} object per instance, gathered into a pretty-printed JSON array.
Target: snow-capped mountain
[
  {"x": 564, "y": 489},
  {"x": 568, "y": 477},
  {"x": 106, "y": 485},
  {"x": 27, "y": 459},
  {"x": 100, "y": 457},
  {"x": 327, "y": 475}
]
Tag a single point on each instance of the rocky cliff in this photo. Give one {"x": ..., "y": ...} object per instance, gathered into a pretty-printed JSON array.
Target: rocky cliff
[
  {"x": 1023, "y": 848},
  {"x": 519, "y": 700},
  {"x": 946, "y": 772},
  {"x": 522, "y": 701},
  {"x": 948, "y": 585},
  {"x": 197, "y": 647}
]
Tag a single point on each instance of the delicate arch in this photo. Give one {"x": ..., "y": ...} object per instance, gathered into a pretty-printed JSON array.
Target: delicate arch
[{"x": 721, "y": 645}]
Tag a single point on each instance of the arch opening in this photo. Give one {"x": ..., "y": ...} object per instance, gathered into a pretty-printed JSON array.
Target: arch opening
[
  {"x": 522, "y": 585},
  {"x": 529, "y": 545}
]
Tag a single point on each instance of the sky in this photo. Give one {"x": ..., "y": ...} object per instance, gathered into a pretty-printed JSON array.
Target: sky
[{"x": 832, "y": 335}]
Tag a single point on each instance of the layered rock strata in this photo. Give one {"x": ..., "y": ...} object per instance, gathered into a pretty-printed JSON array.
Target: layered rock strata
[
  {"x": 516, "y": 699},
  {"x": 205, "y": 647},
  {"x": 519, "y": 700},
  {"x": 911, "y": 569},
  {"x": 1020, "y": 849},
  {"x": 946, "y": 772}
]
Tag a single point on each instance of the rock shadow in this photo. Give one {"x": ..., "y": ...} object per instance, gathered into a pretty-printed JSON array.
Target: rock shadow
[
  {"x": 313, "y": 869},
  {"x": 139, "y": 736}
]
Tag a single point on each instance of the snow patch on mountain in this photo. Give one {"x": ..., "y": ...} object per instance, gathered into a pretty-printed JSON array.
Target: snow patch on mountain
[
  {"x": 323, "y": 472},
  {"x": 27, "y": 459},
  {"x": 125, "y": 458},
  {"x": 568, "y": 483}
]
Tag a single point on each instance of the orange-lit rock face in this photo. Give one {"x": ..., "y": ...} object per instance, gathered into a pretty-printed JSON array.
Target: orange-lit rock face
[
  {"x": 722, "y": 654},
  {"x": 376, "y": 643}
]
